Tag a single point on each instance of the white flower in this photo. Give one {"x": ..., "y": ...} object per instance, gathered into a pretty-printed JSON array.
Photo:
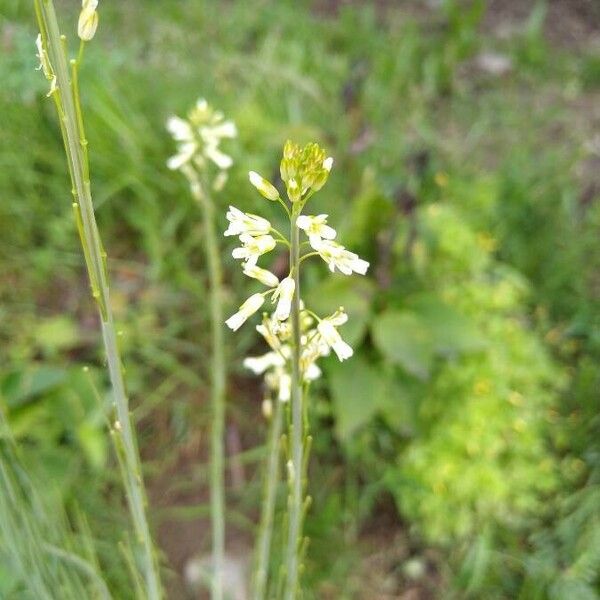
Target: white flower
[
  {"x": 285, "y": 293},
  {"x": 285, "y": 387},
  {"x": 267, "y": 330},
  {"x": 311, "y": 372},
  {"x": 253, "y": 247},
  {"x": 328, "y": 163},
  {"x": 245, "y": 312},
  {"x": 264, "y": 276},
  {"x": 222, "y": 160},
  {"x": 213, "y": 134},
  {"x": 88, "y": 20},
  {"x": 316, "y": 227},
  {"x": 199, "y": 137},
  {"x": 266, "y": 188},
  {"x": 259, "y": 364},
  {"x": 180, "y": 130},
  {"x": 336, "y": 256},
  {"x": 267, "y": 408},
  {"x": 185, "y": 152},
  {"x": 241, "y": 222},
  {"x": 332, "y": 338}
]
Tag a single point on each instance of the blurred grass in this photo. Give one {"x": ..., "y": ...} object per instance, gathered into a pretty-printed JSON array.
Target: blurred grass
[{"x": 397, "y": 95}]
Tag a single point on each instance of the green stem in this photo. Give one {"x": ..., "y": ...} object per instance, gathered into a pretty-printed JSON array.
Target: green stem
[
  {"x": 265, "y": 533},
  {"x": 218, "y": 374},
  {"x": 81, "y": 565},
  {"x": 69, "y": 111},
  {"x": 296, "y": 434}
]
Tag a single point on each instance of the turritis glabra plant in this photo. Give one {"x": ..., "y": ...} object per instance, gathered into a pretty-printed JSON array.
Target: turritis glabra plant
[
  {"x": 205, "y": 166},
  {"x": 297, "y": 337},
  {"x": 63, "y": 77}
]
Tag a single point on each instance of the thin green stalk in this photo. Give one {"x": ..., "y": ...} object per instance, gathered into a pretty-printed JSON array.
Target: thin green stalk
[
  {"x": 296, "y": 471},
  {"x": 265, "y": 533},
  {"x": 218, "y": 375},
  {"x": 68, "y": 106}
]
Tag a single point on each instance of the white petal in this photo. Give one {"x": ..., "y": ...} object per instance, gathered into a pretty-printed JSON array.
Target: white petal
[{"x": 222, "y": 160}]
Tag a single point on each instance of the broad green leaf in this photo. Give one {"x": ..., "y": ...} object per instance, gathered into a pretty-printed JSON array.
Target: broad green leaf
[
  {"x": 451, "y": 332},
  {"x": 361, "y": 390},
  {"x": 20, "y": 387},
  {"x": 404, "y": 339},
  {"x": 356, "y": 390},
  {"x": 56, "y": 333}
]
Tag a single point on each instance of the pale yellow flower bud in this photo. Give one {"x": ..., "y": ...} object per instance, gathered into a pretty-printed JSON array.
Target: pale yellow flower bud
[
  {"x": 266, "y": 188},
  {"x": 88, "y": 20}
]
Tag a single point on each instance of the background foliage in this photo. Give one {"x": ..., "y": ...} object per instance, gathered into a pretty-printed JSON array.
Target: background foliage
[{"x": 457, "y": 455}]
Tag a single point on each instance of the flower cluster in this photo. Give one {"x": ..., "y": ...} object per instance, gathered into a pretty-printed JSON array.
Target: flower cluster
[
  {"x": 304, "y": 171},
  {"x": 198, "y": 138}
]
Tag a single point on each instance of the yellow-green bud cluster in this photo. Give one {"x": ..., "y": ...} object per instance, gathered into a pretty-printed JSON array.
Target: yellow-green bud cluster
[{"x": 304, "y": 169}]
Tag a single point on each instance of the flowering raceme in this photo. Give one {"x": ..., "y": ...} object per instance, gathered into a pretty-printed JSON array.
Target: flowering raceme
[
  {"x": 200, "y": 159},
  {"x": 297, "y": 337},
  {"x": 304, "y": 171}
]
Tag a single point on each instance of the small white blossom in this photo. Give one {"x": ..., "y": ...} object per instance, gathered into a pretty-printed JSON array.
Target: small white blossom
[
  {"x": 245, "y": 312},
  {"x": 285, "y": 387},
  {"x": 267, "y": 408},
  {"x": 336, "y": 256},
  {"x": 253, "y": 247},
  {"x": 264, "y": 276},
  {"x": 88, "y": 20},
  {"x": 241, "y": 222},
  {"x": 328, "y": 163},
  {"x": 265, "y": 187},
  {"x": 334, "y": 340},
  {"x": 316, "y": 227},
  {"x": 267, "y": 330},
  {"x": 259, "y": 364},
  {"x": 311, "y": 372},
  {"x": 285, "y": 293}
]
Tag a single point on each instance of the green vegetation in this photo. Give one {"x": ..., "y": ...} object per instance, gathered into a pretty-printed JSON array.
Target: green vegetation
[{"x": 456, "y": 454}]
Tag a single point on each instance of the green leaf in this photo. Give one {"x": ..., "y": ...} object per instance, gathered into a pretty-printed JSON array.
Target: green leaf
[
  {"x": 20, "y": 387},
  {"x": 56, "y": 333},
  {"x": 361, "y": 390},
  {"x": 451, "y": 332},
  {"x": 355, "y": 392},
  {"x": 405, "y": 339}
]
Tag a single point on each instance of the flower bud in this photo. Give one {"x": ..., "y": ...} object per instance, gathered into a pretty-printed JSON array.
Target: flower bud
[
  {"x": 266, "y": 188},
  {"x": 88, "y": 20}
]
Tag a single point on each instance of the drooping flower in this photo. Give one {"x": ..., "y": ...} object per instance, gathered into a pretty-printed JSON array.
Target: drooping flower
[
  {"x": 253, "y": 247},
  {"x": 45, "y": 64},
  {"x": 316, "y": 227},
  {"x": 334, "y": 340},
  {"x": 265, "y": 187},
  {"x": 88, "y": 20},
  {"x": 337, "y": 257},
  {"x": 241, "y": 222},
  {"x": 247, "y": 309},
  {"x": 259, "y": 364},
  {"x": 262, "y": 275},
  {"x": 285, "y": 293}
]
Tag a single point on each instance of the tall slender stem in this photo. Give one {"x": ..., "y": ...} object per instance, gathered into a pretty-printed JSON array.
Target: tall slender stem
[
  {"x": 296, "y": 472},
  {"x": 69, "y": 112},
  {"x": 268, "y": 506},
  {"x": 217, "y": 481}
]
